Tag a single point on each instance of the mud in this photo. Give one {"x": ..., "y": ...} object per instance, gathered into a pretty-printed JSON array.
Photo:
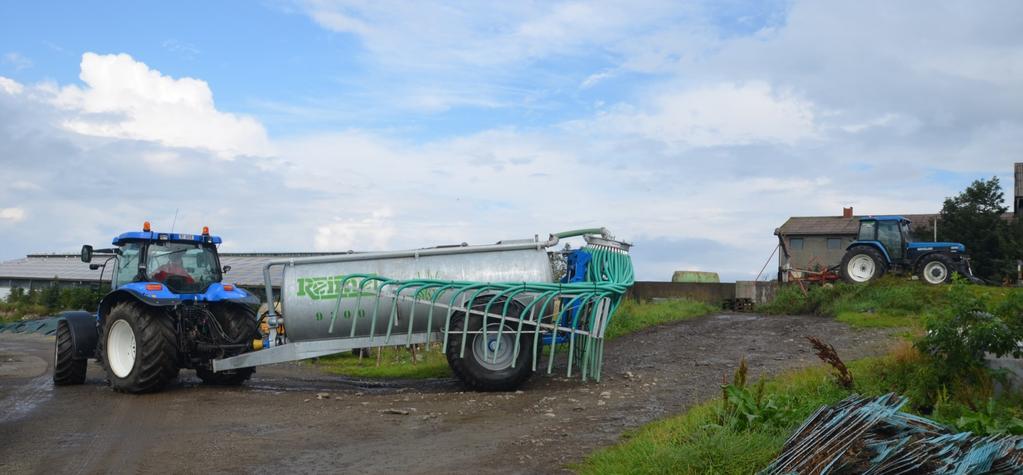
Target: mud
[{"x": 292, "y": 418}]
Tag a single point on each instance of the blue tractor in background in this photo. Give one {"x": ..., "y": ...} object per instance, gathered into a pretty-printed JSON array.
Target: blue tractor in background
[
  {"x": 168, "y": 309},
  {"x": 884, "y": 245}
]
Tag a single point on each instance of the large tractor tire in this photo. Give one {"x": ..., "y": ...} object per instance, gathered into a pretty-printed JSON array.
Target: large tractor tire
[
  {"x": 139, "y": 350},
  {"x": 936, "y": 269},
  {"x": 68, "y": 368},
  {"x": 481, "y": 373},
  {"x": 862, "y": 264},
  {"x": 240, "y": 324}
]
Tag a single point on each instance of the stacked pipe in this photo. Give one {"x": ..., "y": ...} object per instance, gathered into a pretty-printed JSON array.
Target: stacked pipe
[{"x": 872, "y": 436}]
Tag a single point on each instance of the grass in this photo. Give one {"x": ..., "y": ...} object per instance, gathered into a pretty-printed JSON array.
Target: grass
[
  {"x": 396, "y": 362},
  {"x": 632, "y": 317},
  {"x": 887, "y": 303},
  {"x": 695, "y": 441}
]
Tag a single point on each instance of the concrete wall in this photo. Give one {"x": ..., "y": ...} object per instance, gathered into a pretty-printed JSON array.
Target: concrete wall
[
  {"x": 815, "y": 252},
  {"x": 712, "y": 294},
  {"x": 759, "y": 292}
]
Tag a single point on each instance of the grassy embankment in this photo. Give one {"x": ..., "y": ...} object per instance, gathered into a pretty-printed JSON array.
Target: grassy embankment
[
  {"x": 889, "y": 303},
  {"x": 743, "y": 439},
  {"x": 396, "y": 362}
]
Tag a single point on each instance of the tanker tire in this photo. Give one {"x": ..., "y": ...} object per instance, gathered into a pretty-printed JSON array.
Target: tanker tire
[
  {"x": 241, "y": 325},
  {"x": 472, "y": 370},
  {"x": 153, "y": 363},
  {"x": 68, "y": 369}
]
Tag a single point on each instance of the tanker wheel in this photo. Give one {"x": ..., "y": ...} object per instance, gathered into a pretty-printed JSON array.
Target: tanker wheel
[
  {"x": 67, "y": 367},
  {"x": 487, "y": 365},
  {"x": 139, "y": 350},
  {"x": 241, "y": 326}
]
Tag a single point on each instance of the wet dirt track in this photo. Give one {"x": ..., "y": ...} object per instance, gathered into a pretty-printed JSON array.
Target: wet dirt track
[{"x": 292, "y": 418}]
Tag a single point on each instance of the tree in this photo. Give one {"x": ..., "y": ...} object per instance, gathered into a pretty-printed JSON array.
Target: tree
[{"x": 974, "y": 217}]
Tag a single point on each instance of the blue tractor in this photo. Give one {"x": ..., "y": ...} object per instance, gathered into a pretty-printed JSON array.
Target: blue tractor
[
  {"x": 884, "y": 245},
  {"x": 168, "y": 309}
]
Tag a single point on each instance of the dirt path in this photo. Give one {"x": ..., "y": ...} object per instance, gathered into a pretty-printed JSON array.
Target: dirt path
[{"x": 278, "y": 423}]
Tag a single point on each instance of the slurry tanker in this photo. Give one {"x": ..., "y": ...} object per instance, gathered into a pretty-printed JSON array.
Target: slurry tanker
[{"x": 496, "y": 310}]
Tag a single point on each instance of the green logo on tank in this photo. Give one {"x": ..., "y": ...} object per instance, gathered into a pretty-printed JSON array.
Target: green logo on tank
[{"x": 329, "y": 288}]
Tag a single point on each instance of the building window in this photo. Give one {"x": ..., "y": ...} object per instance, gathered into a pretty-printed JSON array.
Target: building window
[
  {"x": 796, "y": 244},
  {"x": 834, "y": 243}
]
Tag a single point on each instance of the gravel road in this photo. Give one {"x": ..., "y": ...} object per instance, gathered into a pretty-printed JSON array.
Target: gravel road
[{"x": 293, "y": 418}]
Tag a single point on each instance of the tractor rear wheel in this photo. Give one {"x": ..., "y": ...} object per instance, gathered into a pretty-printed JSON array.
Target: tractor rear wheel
[
  {"x": 139, "y": 350},
  {"x": 489, "y": 364},
  {"x": 67, "y": 367},
  {"x": 935, "y": 269},
  {"x": 239, "y": 323},
  {"x": 862, "y": 264}
]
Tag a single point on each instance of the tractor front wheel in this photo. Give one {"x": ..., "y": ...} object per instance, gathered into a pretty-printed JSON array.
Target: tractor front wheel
[
  {"x": 936, "y": 269},
  {"x": 862, "y": 264},
  {"x": 139, "y": 351}
]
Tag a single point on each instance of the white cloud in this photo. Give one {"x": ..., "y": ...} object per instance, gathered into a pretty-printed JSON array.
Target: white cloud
[
  {"x": 372, "y": 232},
  {"x": 10, "y": 86},
  {"x": 125, "y": 99},
  {"x": 12, "y": 215},
  {"x": 717, "y": 115},
  {"x": 17, "y": 61}
]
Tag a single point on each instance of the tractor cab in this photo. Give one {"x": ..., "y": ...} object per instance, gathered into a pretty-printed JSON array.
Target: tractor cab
[
  {"x": 165, "y": 265},
  {"x": 884, "y": 244},
  {"x": 892, "y": 233}
]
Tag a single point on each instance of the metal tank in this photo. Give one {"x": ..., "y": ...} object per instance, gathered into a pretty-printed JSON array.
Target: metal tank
[{"x": 311, "y": 290}]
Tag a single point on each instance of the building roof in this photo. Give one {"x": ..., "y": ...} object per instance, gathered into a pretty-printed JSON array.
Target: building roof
[
  {"x": 835, "y": 225},
  {"x": 246, "y": 268}
]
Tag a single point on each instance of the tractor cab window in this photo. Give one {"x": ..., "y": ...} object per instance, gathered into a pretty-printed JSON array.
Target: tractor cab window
[
  {"x": 889, "y": 233},
  {"x": 127, "y": 267},
  {"x": 867, "y": 230},
  {"x": 183, "y": 267}
]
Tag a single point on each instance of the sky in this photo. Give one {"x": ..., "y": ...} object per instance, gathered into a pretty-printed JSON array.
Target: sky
[{"x": 692, "y": 129}]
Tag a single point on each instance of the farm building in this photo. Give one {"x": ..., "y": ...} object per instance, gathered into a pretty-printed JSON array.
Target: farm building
[{"x": 37, "y": 271}]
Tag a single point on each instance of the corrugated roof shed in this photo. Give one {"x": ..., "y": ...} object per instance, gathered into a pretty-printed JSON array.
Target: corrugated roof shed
[
  {"x": 246, "y": 268},
  {"x": 836, "y": 225}
]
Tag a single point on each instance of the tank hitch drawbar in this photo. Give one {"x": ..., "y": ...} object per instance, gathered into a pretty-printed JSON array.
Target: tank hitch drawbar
[{"x": 492, "y": 307}]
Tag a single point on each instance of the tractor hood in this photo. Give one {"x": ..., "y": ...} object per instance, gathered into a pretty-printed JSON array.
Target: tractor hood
[{"x": 934, "y": 246}]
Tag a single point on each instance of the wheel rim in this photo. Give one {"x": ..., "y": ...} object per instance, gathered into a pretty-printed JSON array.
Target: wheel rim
[
  {"x": 121, "y": 348},
  {"x": 935, "y": 272},
  {"x": 503, "y": 352},
  {"x": 861, "y": 268}
]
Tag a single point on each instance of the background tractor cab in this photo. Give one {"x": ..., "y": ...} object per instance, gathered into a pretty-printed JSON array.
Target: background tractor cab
[
  {"x": 167, "y": 310},
  {"x": 884, "y": 244}
]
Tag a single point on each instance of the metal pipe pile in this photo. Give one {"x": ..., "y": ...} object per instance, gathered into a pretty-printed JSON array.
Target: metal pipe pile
[{"x": 872, "y": 436}]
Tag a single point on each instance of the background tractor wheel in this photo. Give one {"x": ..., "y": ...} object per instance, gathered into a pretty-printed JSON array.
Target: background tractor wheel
[
  {"x": 862, "y": 264},
  {"x": 936, "y": 269},
  {"x": 241, "y": 326},
  {"x": 139, "y": 350},
  {"x": 489, "y": 374},
  {"x": 67, "y": 368}
]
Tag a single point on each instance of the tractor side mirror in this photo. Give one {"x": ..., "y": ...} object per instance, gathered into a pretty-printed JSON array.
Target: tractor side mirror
[
  {"x": 87, "y": 254},
  {"x": 226, "y": 269}
]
